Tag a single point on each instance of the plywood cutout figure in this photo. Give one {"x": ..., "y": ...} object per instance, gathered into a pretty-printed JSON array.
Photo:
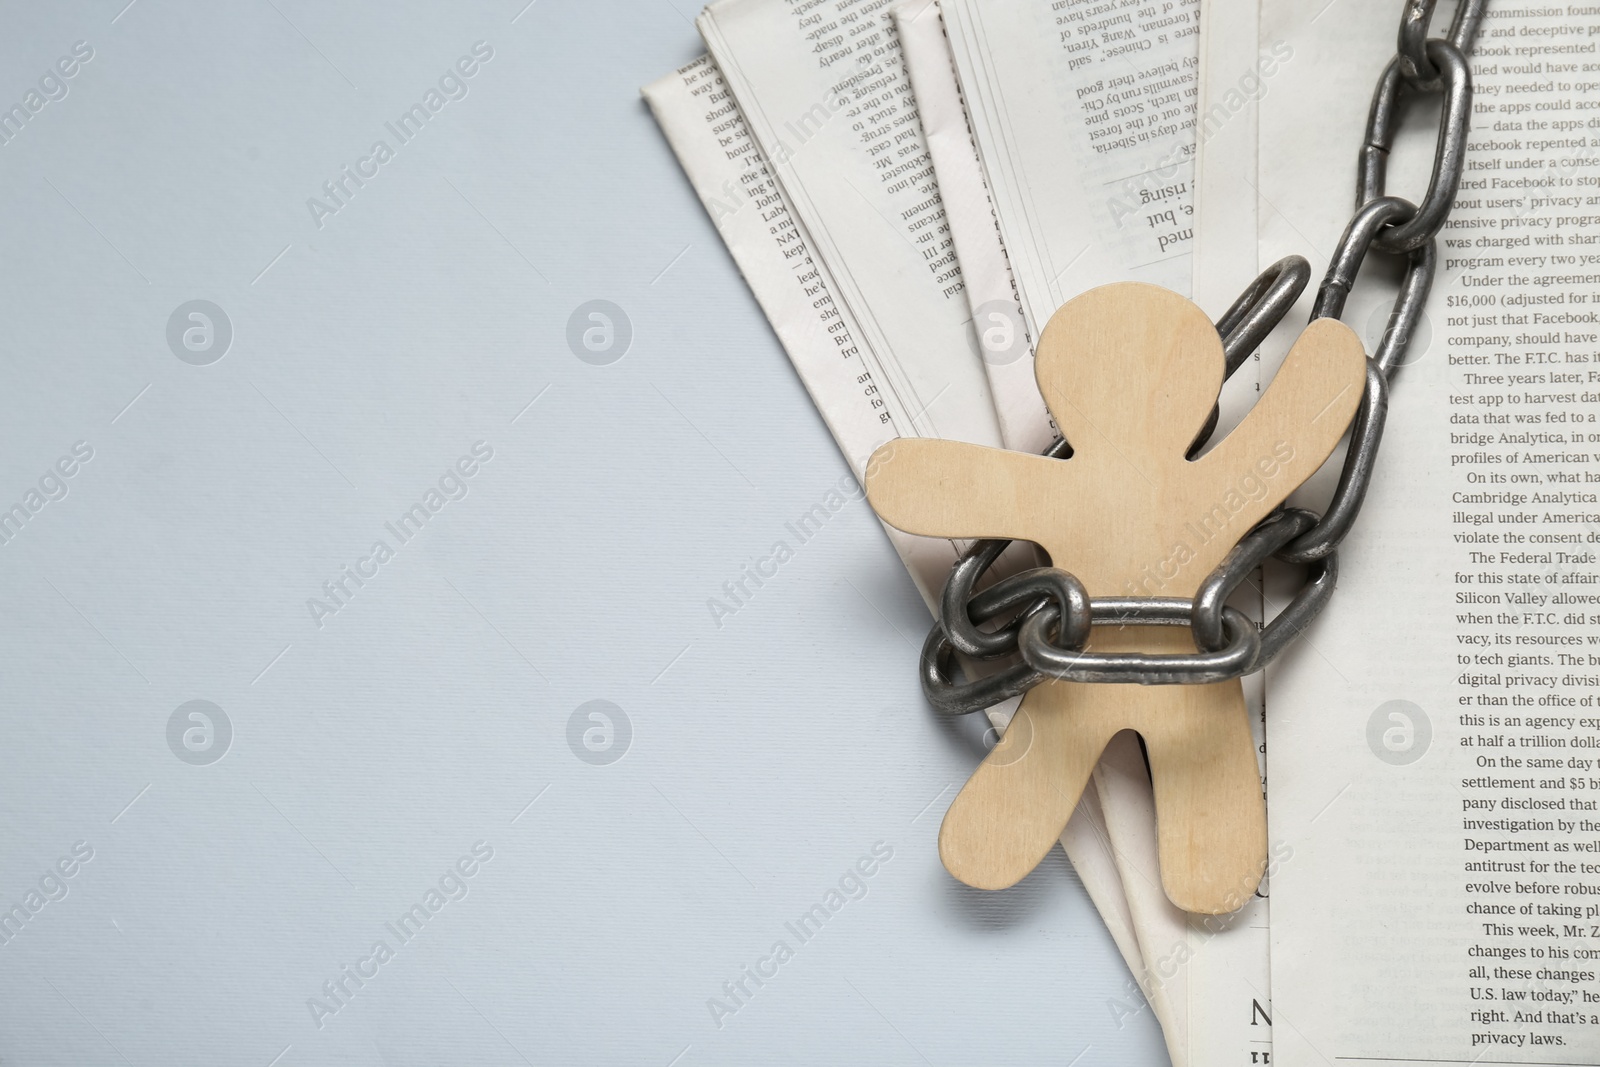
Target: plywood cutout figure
[{"x": 1130, "y": 372}]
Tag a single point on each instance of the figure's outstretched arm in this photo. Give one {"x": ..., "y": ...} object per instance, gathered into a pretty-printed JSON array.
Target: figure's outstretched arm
[
  {"x": 1297, "y": 422},
  {"x": 940, "y": 488}
]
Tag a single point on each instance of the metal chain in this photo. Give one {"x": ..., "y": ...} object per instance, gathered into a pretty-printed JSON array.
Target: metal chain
[{"x": 1047, "y": 614}]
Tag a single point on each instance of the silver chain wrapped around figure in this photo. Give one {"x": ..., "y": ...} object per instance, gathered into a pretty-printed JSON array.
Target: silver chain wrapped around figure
[{"x": 1050, "y": 613}]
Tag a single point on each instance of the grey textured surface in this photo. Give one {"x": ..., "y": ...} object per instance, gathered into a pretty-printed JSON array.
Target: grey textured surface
[{"x": 374, "y": 746}]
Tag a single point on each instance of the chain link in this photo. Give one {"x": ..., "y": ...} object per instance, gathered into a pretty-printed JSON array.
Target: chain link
[
  {"x": 1450, "y": 151},
  {"x": 1046, "y": 613},
  {"x": 1411, "y": 48}
]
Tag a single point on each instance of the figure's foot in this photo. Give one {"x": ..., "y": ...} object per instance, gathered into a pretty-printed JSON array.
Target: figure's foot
[{"x": 1016, "y": 804}]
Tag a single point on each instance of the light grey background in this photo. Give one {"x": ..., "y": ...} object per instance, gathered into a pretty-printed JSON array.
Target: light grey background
[{"x": 367, "y": 755}]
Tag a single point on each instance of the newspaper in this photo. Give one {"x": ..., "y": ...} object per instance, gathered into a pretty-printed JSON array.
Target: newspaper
[
  {"x": 1234, "y": 72},
  {"x": 1084, "y": 117},
  {"x": 992, "y": 298},
  {"x": 1434, "y": 782},
  {"x": 825, "y": 97},
  {"x": 795, "y": 290}
]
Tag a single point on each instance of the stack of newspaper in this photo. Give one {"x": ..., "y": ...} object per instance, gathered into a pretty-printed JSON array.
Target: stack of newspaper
[{"x": 911, "y": 189}]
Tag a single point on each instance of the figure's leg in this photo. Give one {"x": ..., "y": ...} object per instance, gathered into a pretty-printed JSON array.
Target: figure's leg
[
  {"x": 1018, "y": 801},
  {"x": 1210, "y": 814},
  {"x": 1211, "y": 818}
]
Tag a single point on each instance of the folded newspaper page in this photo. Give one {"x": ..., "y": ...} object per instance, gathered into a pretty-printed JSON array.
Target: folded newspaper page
[
  {"x": 1234, "y": 72},
  {"x": 709, "y": 136},
  {"x": 1084, "y": 115},
  {"x": 992, "y": 298},
  {"x": 826, "y": 99}
]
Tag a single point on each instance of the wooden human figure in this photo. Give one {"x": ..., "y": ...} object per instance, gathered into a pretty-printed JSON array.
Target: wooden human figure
[{"x": 1130, "y": 372}]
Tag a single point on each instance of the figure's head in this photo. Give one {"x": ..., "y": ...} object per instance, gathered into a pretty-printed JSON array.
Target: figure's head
[{"x": 1129, "y": 362}]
